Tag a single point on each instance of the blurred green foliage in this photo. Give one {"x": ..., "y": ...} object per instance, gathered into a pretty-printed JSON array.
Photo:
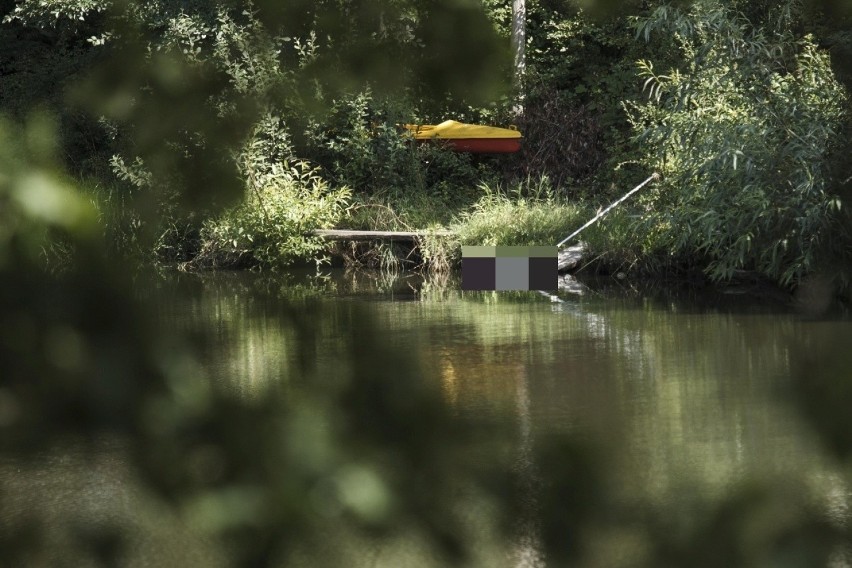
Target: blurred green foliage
[
  {"x": 82, "y": 360},
  {"x": 183, "y": 87}
]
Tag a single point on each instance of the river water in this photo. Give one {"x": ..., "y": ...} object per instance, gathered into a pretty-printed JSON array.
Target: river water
[{"x": 684, "y": 397}]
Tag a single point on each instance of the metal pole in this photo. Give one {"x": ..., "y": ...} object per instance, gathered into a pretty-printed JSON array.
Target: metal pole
[{"x": 612, "y": 205}]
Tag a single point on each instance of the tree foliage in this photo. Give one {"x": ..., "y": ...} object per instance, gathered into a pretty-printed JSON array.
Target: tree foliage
[
  {"x": 272, "y": 226},
  {"x": 742, "y": 131}
]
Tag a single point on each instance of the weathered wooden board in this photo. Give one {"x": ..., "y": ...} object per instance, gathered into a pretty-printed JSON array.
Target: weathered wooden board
[{"x": 347, "y": 235}]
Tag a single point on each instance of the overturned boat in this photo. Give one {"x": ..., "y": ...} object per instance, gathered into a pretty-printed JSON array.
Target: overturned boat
[{"x": 473, "y": 138}]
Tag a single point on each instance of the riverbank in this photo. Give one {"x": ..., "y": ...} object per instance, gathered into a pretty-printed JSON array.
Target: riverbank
[
  {"x": 430, "y": 230},
  {"x": 755, "y": 169},
  {"x": 277, "y": 231}
]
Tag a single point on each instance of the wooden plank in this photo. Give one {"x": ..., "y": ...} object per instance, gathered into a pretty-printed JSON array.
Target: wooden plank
[{"x": 347, "y": 235}]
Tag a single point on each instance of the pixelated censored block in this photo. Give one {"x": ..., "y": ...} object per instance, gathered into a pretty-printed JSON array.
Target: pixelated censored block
[
  {"x": 478, "y": 273},
  {"x": 509, "y": 268}
]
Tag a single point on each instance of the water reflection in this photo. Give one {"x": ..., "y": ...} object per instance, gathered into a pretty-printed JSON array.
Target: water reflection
[
  {"x": 682, "y": 397},
  {"x": 527, "y": 551}
]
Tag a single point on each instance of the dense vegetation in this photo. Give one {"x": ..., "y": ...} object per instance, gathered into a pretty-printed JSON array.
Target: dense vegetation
[
  {"x": 741, "y": 106},
  {"x": 217, "y": 133}
]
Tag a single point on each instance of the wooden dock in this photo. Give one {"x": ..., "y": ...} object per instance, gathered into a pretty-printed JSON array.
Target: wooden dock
[
  {"x": 347, "y": 235},
  {"x": 569, "y": 258}
]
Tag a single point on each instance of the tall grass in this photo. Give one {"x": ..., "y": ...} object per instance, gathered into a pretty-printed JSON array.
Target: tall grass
[{"x": 529, "y": 213}]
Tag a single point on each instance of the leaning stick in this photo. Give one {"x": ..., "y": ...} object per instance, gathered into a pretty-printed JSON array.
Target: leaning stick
[{"x": 612, "y": 205}]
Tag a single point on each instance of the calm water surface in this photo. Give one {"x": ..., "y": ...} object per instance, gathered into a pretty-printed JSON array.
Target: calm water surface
[{"x": 684, "y": 391}]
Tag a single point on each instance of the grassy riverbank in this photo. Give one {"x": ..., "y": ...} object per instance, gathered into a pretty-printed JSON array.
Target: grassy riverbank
[{"x": 270, "y": 228}]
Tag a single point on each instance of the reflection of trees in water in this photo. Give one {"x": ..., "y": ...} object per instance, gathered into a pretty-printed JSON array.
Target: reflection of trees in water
[
  {"x": 685, "y": 405},
  {"x": 527, "y": 551},
  {"x": 358, "y": 399}
]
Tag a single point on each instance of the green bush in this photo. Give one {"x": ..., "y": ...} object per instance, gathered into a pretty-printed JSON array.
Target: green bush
[
  {"x": 361, "y": 143},
  {"x": 272, "y": 226},
  {"x": 741, "y": 132},
  {"x": 561, "y": 140},
  {"x": 358, "y": 142},
  {"x": 579, "y": 69}
]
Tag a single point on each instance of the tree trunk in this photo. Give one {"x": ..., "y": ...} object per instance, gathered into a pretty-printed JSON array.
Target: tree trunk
[{"x": 519, "y": 41}]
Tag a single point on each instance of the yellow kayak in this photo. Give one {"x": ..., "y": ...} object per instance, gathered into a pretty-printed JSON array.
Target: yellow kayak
[{"x": 475, "y": 138}]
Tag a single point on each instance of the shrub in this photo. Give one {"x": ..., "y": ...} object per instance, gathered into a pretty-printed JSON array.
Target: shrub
[
  {"x": 741, "y": 133},
  {"x": 272, "y": 226},
  {"x": 361, "y": 144}
]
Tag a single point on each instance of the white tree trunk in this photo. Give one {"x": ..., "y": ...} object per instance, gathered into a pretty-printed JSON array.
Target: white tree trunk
[{"x": 519, "y": 42}]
